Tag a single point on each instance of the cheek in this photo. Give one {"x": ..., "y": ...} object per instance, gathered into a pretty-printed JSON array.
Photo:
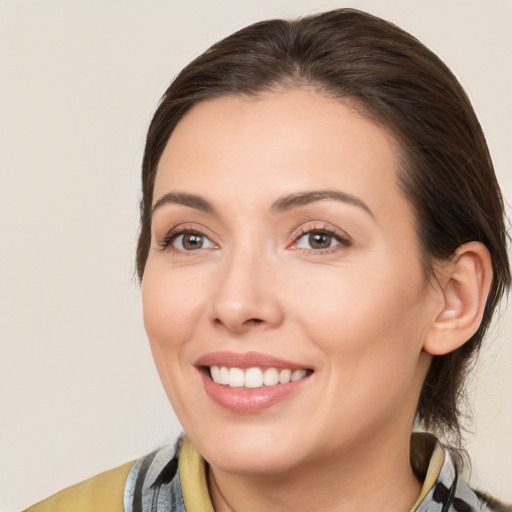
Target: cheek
[
  {"x": 366, "y": 318},
  {"x": 371, "y": 340},
  {"x": 172, "y": 306}
]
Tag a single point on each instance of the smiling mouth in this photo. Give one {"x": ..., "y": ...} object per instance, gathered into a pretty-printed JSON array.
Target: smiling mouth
[{"x": 254, "y": 378}]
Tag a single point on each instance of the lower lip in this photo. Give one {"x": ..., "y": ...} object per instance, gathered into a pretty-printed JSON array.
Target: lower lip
[{"x": 243, "y": 400}]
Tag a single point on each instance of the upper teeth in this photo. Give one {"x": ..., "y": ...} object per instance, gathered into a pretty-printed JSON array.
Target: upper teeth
[{"x": 254, "y": 377}]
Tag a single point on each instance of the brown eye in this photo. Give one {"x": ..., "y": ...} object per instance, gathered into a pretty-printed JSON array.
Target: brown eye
[
  {"x": 191, "y": 242},
  {"x": 319, "y": 240}
]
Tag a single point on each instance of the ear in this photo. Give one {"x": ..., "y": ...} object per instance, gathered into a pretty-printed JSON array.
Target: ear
[{"x": 464, "y": 286}]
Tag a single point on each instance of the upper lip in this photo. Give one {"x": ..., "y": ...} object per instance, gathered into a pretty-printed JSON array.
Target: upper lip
[{"x": 247, "y": 360}]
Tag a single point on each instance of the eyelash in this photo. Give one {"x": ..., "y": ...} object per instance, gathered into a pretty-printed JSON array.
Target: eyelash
[
  {"x": 343, "y": 239},
  {"x": 172, "y": 235},
  {"x": 340, "y": 237}
]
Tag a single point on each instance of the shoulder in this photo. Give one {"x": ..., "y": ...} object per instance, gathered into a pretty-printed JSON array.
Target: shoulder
[{"x": 101, "y": 492}]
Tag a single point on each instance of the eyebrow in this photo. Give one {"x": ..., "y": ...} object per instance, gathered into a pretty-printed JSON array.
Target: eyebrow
[
  {"x": 281, "y": 205},
  {"x": 304, "y": 198},
  {"x": 191, "y": 200}
]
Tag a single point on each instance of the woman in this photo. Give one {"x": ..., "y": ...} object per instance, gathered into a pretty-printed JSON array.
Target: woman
[{"x": 322, "y": 248}]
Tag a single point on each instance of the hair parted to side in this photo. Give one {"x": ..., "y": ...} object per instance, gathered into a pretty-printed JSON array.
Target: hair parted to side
[{"x": 446, "y": 172}]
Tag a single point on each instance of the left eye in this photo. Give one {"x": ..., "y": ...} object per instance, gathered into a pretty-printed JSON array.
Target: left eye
[
  {"x": 317, "y": 240},
  {"x": 191, "y": 242}
]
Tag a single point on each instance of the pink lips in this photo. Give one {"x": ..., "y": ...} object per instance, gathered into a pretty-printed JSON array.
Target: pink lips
[
  {"x": 242, "y": 400},
  {"x": 246, "y": 360}
]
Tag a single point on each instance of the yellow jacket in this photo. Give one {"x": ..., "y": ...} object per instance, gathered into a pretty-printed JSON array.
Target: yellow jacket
[{"x": 103, "y": 492}]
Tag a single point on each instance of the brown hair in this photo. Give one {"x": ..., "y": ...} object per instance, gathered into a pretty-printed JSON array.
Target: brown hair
[{"x": 446, "y": 172}]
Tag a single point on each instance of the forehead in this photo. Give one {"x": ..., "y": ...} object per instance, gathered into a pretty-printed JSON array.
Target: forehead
[{"x": 291, "y": 140}]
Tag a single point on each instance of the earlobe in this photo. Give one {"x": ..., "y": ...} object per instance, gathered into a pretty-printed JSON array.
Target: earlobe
[{"x": 465, "y": 285}]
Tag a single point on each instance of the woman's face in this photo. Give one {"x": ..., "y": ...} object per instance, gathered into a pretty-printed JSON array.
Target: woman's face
[{"x": 282, "y": 248}]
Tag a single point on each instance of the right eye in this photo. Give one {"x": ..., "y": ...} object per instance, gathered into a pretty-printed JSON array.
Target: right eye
[
  {"x": 191, "y": 241},
  {"x": 185, "y": 239}
]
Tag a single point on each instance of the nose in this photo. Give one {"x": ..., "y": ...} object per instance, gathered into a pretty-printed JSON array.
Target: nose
[{"x": 247, "y": 296}]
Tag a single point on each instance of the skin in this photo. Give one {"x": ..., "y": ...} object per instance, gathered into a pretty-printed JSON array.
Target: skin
[{"x": 358, "y": 313}]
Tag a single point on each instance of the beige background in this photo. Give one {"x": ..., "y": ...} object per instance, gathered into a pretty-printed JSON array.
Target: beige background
[{"x": 80, "y": 80}]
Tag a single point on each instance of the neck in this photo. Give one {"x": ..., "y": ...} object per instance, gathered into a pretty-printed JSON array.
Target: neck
[{"x": 378, "y": 478}]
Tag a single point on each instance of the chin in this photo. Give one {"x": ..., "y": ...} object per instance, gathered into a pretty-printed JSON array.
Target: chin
[
  {"x": 256, "y": 464},
  {"x": 250, "y": 451}
]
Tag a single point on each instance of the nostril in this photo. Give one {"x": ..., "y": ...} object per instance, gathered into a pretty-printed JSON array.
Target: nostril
[{"x": 247, "y": 324}]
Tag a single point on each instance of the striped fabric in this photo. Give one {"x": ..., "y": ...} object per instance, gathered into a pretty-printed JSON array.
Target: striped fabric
[
  {"x": 445, "y": 491},
  {"x": 154, "y": 484}
]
